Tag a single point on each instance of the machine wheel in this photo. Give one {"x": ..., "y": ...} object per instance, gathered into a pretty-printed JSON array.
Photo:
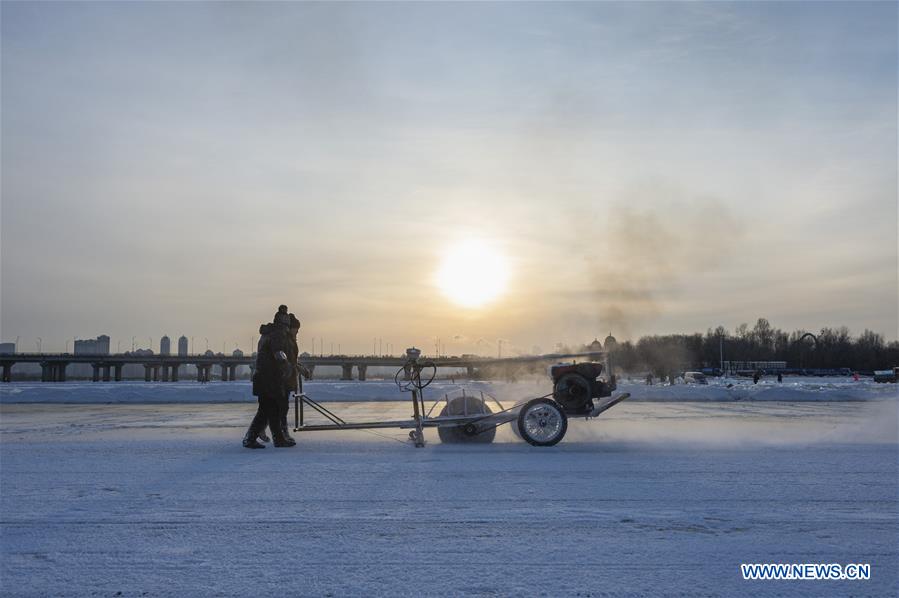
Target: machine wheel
[
  {"x": 466, "y": 433},
  {"x": 542, "y": 422}
]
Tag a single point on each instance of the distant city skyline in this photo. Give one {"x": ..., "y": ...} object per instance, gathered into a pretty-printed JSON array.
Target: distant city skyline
[{"x": 522, "y": 174}]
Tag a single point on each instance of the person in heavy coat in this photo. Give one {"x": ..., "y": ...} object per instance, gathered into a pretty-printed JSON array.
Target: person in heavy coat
[
  {"x": 270, "y": 380},
  {"x": 260, "y": 420},
  {"x": 291, "y": 386},
  {"x": 292, "y": 380}
]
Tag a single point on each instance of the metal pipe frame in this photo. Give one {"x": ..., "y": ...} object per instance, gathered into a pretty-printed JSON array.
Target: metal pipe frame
[{"x": 421, "y": 421}]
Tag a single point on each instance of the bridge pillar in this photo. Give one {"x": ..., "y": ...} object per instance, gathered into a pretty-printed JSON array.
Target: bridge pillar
[
  {"x": 45, "y": 371},
  {"x": 173, "y": 371},
  {"x": 311, "y": 370},
  {"x": 199, "y": 372},
  {"x": 224, "y": 368},
  {"x": 232, "y": 372},
  {"x": 362, "y": 369},
  {"x": 61, "y": 372},
  {"x": 118, "y": 371},
  {"x": 165, "y": 372},
  {"x": 470, "y": 370},
  {"x": 347, "y": 371},
  {"x": 106, "y": 374},
  {"x": 7, "y": 372},
  {"x": 96, "y": 376},
  {"x": 148, "y": 373},
  {"x": 155, "y": 373}
]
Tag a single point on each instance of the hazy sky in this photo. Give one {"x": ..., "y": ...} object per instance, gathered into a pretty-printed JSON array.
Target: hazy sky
[{"x": 183, "y": 168}]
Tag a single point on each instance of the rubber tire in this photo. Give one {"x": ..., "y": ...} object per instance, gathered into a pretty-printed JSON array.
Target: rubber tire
[
  {"x": 522, "y": 431},
  {"x": 456, "y": 434}
]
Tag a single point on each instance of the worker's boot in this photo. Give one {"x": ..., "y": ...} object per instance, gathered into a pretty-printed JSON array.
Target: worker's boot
[
  {"x": 282, "y": 441},
  {"x": 258, "y": 424},
  {"x": 285, "y": 430},
  {"x": 287, "y": 435},
  {"x": 249, "y": 439}
]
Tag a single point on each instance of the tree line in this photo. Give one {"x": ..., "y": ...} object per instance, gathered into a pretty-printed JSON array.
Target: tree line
[{"x": 827, "y": 348}]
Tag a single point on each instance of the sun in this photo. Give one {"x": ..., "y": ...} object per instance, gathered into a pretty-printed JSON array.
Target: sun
[{"x": 472, "y": 274}]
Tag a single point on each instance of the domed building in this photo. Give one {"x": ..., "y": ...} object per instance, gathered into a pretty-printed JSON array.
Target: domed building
[
  {"x": 595, "y": 346},
  {"x": 611, "y": 343}
]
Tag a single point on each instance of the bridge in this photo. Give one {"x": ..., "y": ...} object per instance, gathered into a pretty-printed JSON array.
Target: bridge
[{"x": 165, "y": 368}]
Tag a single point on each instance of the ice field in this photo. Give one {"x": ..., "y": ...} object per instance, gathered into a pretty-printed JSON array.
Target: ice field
[
  {"x": 659, "y": 496},
  {"x": 794, "y": 389}
]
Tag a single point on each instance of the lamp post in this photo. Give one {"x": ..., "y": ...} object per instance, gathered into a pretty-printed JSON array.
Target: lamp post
[
  {"x": 39, "y": 341},
  {"x": 721, "y": 352},
  {"x": 192, "y": 346},
  {"x": 132, "y": 344},
  {"x": 207, "y": 342}
]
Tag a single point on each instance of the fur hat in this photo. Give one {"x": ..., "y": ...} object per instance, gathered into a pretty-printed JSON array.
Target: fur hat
[{"x": 282, "y": 319}]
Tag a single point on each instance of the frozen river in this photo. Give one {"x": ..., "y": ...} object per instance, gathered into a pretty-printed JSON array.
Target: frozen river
[{"x": 653, "y": 499}]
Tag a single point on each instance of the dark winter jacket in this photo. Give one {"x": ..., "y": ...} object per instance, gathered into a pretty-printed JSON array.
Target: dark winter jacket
[
  {"x": 272, "y": 370},
  {"x": 292, "y": 354}
]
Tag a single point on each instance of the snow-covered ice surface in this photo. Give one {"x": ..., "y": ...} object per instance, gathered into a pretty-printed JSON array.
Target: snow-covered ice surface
[
  {"x": 654, "y": 498},
  {"x": 740, "y": 389}
]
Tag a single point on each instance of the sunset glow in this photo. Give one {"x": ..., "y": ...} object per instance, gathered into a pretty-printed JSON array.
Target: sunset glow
[{"x": 472, "y": 274}]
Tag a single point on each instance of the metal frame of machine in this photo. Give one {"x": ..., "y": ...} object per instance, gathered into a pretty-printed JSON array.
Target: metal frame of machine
[{"x": 541, "y": 421}]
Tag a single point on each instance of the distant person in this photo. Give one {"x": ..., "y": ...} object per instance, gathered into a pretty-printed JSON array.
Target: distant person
[
  {"x": 756, "y": 376},
  {"x": 649, "y": 379},
  {"x": 292, "y": 380},
  {"x": 270, "y": 380},
  {"x": 855, "y": 376},
  {"x": 260, "y": 420},
  {"x": 780, "y": 377}
]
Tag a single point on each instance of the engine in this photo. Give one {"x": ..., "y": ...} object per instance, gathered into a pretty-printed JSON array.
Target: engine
[{"x": 575, "y": 385}]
